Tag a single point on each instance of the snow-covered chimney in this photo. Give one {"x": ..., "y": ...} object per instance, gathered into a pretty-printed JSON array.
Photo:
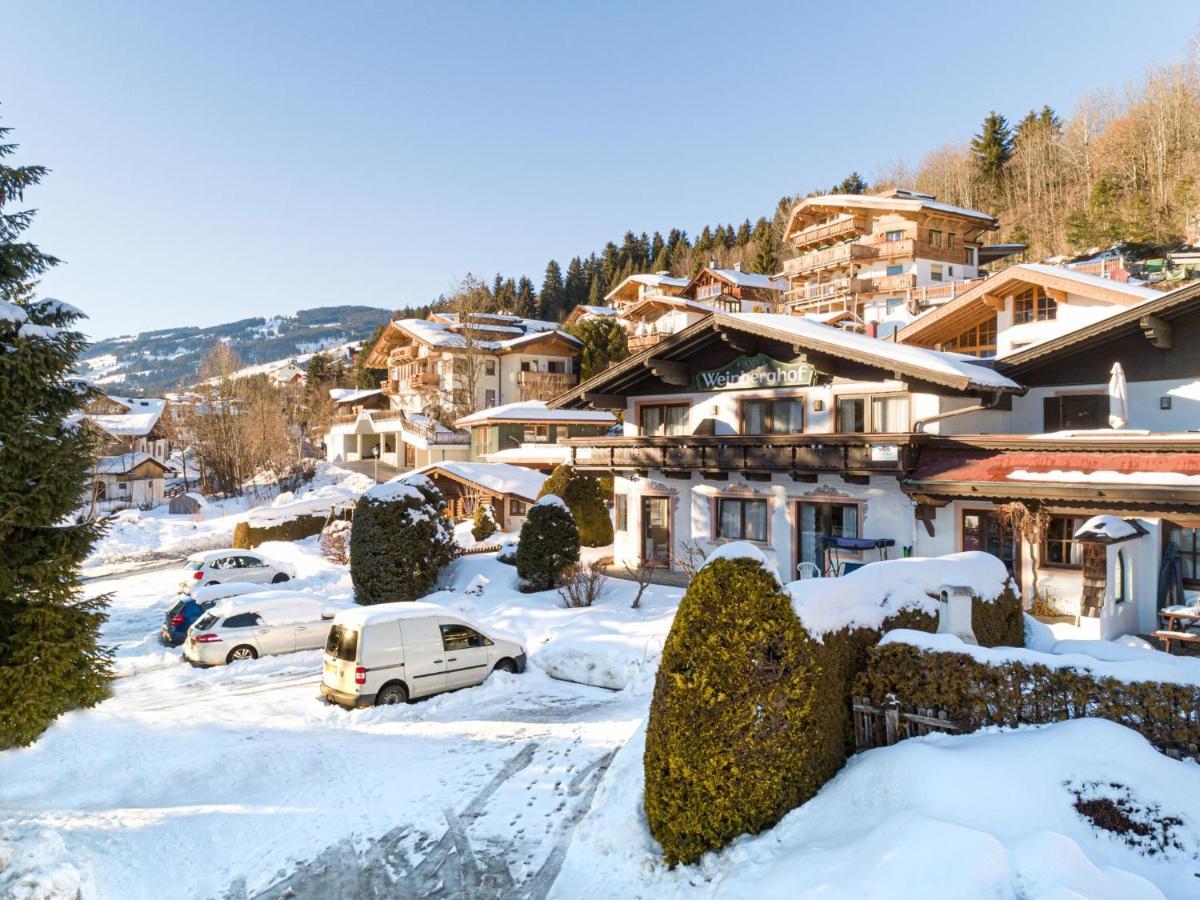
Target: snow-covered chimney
[{"x": 712, "y": 263}]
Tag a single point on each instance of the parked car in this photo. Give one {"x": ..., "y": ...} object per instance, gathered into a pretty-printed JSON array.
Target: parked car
[
  {"x": 222, "y": 566},
  {"x": 394, "y": 652},
  {"x": 260, "y": 624},
  {"x": 189, "y": 607}
]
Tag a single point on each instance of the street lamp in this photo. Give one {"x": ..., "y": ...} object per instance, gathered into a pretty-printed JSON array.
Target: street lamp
[{"x": 375, "y": 454}]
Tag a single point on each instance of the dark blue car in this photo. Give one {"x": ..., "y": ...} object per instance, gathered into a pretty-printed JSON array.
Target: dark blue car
[{"x": 189, "y": 607}]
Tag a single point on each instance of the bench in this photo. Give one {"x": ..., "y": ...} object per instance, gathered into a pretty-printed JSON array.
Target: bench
[{"x": 1167, "y": 636}]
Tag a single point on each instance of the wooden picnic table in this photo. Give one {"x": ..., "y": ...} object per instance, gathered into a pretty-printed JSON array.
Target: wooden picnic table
[{"x": 1178, "y": 625}]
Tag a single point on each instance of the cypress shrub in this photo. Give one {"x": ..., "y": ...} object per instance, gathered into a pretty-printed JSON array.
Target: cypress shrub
[
  {"x": 485, "y": 522},
  {"x": 549, "y": 544},
  {"x": 734, "y": 739},
  {"x": 247, "y": 535},
  {"x": 584, "y": 496},
  {"x": 401, "y": 540}
]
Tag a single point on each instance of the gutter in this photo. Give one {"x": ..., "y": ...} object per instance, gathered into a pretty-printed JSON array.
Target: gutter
[{"x": 987, "y": 406}]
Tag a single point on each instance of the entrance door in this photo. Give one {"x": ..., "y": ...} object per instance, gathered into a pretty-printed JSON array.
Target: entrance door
[
  {"x": 983, "y": 530},
  {"x": 410, "y": 456},
  {"x": 656, "y": 531}
]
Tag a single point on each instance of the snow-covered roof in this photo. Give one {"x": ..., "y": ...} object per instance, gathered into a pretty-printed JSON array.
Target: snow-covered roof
[
  {"x": 124, "y": 463},
  {"x": 359, "y": 616},
  {"x": 126, "y": 425},
  {"x": 439, "y": 334},
  {"x": 750, "y": 279},
  {"x": 551, "y": 454},
  {"x": 535, "y": 411},
  {"x": 649, "y": 279},
  {"x": 140, "y": 404},
  {"x": 499, "y": 478},
  {"x": 937, "y": 363},
  {"x": 1121, "y": 287},
  {"x": 598, "y": 310},
  {"x": 349, "y": 395}
]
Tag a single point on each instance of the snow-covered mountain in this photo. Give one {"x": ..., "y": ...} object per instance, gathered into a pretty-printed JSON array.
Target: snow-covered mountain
[{"x": 157, "y": 361}]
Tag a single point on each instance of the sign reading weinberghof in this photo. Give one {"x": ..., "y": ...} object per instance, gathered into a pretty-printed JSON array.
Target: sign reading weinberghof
[{"x": 758, "y": 371}]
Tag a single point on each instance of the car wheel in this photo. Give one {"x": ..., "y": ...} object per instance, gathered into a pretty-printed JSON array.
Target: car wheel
[
  {"x": 279, "y": 578},
  {"x": 506, "y": 665},
  {"x": 241, "y": 652},
  {"x": 391, "y": 693}
]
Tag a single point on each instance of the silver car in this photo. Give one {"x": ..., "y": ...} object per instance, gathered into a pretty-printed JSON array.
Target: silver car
[
  {"x": 261, "y": 624},
  {"x": 224, "y": 566}
]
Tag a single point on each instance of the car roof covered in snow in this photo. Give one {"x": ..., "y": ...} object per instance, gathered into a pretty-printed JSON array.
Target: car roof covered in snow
[
  {"x": 359, "y": 616},
  {"x": 263, "y": 601}
]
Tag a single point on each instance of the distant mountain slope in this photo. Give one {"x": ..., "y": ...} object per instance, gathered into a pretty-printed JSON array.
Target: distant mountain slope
[{"x": 157, "y": 361}]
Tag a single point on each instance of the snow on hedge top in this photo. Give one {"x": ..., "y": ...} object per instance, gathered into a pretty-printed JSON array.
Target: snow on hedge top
[
  {"x": 741, "y": 550},
  {"x": 399, "y": 488},
  {"x": 1125, "y": 663},
  {"x": 868, "y": 596},
  {"x": 1110, "y": 526},
  {"x": 553, "y": 500}
]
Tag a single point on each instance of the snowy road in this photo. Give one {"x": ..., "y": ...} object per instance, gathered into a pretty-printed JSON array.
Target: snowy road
[{"x": 240, "y": 782}]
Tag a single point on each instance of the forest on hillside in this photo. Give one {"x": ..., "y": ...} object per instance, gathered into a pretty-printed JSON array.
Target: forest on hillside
[{"x": 1122, "y": 167}]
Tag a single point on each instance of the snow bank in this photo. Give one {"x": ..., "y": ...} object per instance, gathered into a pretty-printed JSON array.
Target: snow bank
[
  {"x": 742, "y": 550},
  {"x": 868, "y": 596},
  {"x": 990, "y": 814},
  {"x": 1102, "y": 659},
  {"x": 38, "y": 866}
]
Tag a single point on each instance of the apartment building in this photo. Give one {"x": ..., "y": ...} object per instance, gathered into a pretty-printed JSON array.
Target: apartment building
[{"x": 877, "y": 255}]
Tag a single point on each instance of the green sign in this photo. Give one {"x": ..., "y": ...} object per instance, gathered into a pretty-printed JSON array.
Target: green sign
[{"x": 758, "y": 371}]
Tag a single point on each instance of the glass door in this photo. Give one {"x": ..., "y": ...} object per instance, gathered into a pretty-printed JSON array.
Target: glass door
[
  {"x": 656, "y": 531},
  {"x": 983, "y": 530},
  {"x": 818, "y": 520}
]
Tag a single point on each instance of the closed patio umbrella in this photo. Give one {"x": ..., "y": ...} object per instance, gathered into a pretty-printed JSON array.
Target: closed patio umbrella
[
  {"x": 1170, "y": 578},
  {"x": 1118, "y": 407}
]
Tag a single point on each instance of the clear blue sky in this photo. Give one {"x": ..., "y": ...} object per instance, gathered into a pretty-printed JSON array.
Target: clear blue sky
[{"x": 220, "y": 160}]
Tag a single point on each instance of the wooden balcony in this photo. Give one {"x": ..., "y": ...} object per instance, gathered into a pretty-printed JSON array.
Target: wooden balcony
[
  {"x": 828, "y": 232},
  {"x": 411, "y": 376},
  {"x": 798, "y": 453},
  {"x": 942, "y": 291},
  {"x": 543, "y": 385},
  {"x": 910, "y": 248},
  {"x": 840, "y": 255},
  {"x": 889, "y": 283},
  {"x": 642, "y": 341}
]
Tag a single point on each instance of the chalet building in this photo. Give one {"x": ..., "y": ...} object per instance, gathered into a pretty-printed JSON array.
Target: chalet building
[
  {"x": 830, "y": 449},
  {"x": 586, "y": 313},
  {"x": 351, "y": 401},
  {"x": 509, "y": 490},
  {"x": 531, "y": 434},
  {"x": 638, "y": 287},
  {"x": 878, "y": 255},
  {"x": 1021, "y": 307},
  {"x": 127, "y": 481},
  {"x": 443, "y": 364},
  {"x": 134, "y": 438}
]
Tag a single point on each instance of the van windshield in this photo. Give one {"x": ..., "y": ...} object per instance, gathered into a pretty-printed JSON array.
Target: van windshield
[{"x": 342, "y": 643}]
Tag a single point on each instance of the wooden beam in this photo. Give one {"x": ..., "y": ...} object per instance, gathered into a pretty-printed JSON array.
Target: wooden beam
[
  {"x": 604, "y": 401},
  {"x": 669, "y": 371},
  {"x": 1158, "y": 331},
  {"x": 1056, "y": 295},
  {"x": 996, "y": 303},
  {"x": 739, "y": 346}
]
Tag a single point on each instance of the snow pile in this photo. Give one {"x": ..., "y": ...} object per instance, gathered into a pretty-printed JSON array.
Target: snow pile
[
  {"x": 990, "y": 814},
  {"x": 868, "y": 596},
  {"x": 38, "y": 867},
  {"x": 396, "y": 489},
  {"x": 278, "y": 513},
  {"x": 1101, "y": 659},
  {"x": 1106, "y": 476},
  {"x": 553, "y": 500},
  {"x": 499, "y": 478},
  {"x": 742, "y": 550},
  {"x": 1112, "y": 527}
]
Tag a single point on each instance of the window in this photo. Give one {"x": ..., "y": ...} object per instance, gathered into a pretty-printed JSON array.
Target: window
[
  {"x": 951, "y": 240},
  {"x": 1033, "y": 305},
  {"x": 935, "y": 238},
  {"x": 529, "y": 365},
  {"x": 895, "y": 270},
  {"x": 1073, "y": 412},
  {"x": 851, "y": 415},
  {"x": 819, "y": 520},
  {"x": 248, "y": 562},
  {"x": 1120, "y": 590},
  {"x": 1059, "y": 547},
  {"x": 460, "y": 637},
  {"x": 242, "y": 620},
  {"x": 537, "y": 434},
  {"x": 935, "y": 272},
  {"x": 622, "y": 504},
  {"x": 978, "y": 341},
  {"x": 122, "y": 487},
  {"x": 489, "y": 367},
  {"x": 889, "y": 415},
  {"x": 489, "y": 398},
  {"x": 557, "y": 366},
  {"x": 741, "y": 520},
  {"x": 895, "y": 305},
  {"x": 983, "y": 530},
  {"x": 949, "y": 271},
  {"x": 773, "y": 416},
  {"x": 897, "y": 235},
  {"x": 1187, "y": 539},
  {"x": 517, "y": 507},
  {"x": 663, "y": 419},
  {"x": 342, "y": 643}
]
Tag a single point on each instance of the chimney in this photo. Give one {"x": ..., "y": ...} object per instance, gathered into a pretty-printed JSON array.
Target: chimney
[
  {"x": 737, "y": 267},
  {"x": 712, "y": 263},
  {"x": 872, "y": 329}
]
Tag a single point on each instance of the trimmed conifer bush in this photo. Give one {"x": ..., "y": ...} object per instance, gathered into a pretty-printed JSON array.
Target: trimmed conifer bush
[
  {"x": 549, "y": 544},
  {"x": 401, "y": 540},
  {"x": 734, "y": 739},
  {"x": 247, "y": 535},
  {"x": 485, "y": 522},
  {"x": 584, "y": 496}
]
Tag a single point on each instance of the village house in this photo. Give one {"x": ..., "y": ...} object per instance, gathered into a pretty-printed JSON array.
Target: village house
[
  {"x": 442, "y": 367},
  {"x": 508, "y": 490},
  {"x": 638, "y": 287},
  {"x": 830, "y": 450},
  {"x": 133, "y": 442},
  {"x": 530, "y": 434},
  {"x": 880, "y": 255},
  {"x": 126, "y": 481}
]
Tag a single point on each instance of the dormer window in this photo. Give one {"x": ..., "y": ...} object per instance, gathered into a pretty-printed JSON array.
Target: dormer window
[{"x": 1032, "y": 305}]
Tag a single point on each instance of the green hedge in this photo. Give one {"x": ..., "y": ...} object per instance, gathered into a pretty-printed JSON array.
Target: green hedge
[
  {"x": 975, "y": 694},
  {"x": 246, "y": 535},
  {"x": 584, "y": 496},
  {"x": 733, "y": 739},
  {"x": 549, "y": 544}
]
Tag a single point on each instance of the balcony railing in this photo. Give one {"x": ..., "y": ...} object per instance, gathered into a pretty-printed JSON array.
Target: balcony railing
[
  {"x": 824, "y": 259},
  {"x": 801, "y": 453},
  {"x": 412, "y": 376},
  {"x": 888, "y": 283},
  {"x": 543, "y": 385},
  {"x": 639, "y": 342},
  {"x": 838, "y": 230},
  {"x": 942, "y": 291}
]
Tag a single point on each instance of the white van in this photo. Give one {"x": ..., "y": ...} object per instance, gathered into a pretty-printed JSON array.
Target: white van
[
  {"x": 260, "y": 624},
  {"x": 395, "y": 652}
]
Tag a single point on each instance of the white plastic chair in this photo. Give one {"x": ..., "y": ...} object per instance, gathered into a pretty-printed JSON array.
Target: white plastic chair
[{"x": 808, "y": 570}]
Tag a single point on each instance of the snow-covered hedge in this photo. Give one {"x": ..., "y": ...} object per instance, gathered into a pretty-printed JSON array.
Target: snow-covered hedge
[{"x": 1154, "y": 694}]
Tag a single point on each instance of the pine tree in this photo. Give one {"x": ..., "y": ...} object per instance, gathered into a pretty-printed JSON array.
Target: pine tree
[
  {"x": 525, "y": 303},
  {"x": 851, "y": 184},
  {"x": 604, "y": 343},
  {"x": 577, "y": 283},
  {"x": 550, "y": 299},
  {"x": 991, "y": 149},
  {"x": 50, "y": 657},
  {"x": 766, "y": 257}
]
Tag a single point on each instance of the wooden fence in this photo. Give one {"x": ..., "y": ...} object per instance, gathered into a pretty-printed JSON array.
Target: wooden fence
[
  {"x": 876, "y": 726},
  {"x": 492, "y": 548}
]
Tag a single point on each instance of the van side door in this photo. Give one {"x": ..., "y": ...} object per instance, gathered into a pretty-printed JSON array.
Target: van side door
[
  {"x": 466, "y": 653},
  {"x": 424, "y": 657}
]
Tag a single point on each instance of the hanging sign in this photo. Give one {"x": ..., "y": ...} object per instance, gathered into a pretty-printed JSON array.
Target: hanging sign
[{"x": 758, "y": 371}]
